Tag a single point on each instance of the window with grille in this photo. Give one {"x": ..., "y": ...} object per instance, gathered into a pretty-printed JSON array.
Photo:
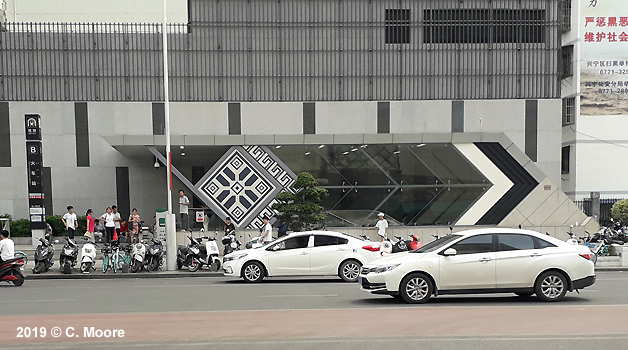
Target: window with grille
[
  {"x": 567, "y": 61},
  {"x": 483, "y": 26},
  {"x": 397, "y": 26},
  {"x": 569, "y": 110},
  {"x": 564, "y": 164},
  {"x": 565, "y": 9}
]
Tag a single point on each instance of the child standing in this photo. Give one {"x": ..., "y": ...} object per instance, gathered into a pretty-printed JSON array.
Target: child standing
[{"x": 70, "y": 221}]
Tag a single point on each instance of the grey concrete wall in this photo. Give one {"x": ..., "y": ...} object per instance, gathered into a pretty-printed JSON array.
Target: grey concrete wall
[{"x": 197, "y": 123}]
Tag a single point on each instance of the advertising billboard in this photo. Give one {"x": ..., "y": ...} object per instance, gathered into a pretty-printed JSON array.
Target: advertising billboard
[{"x": 604, "y": 57}]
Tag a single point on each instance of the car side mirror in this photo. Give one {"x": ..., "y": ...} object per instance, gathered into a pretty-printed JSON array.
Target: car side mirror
[{"x": 450, "y": 252}]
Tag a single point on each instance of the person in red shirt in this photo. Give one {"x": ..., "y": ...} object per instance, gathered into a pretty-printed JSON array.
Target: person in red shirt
[{"x": 90, "y": 224}]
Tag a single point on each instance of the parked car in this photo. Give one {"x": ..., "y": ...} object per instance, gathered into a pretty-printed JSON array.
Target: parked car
[
  {"x": 312, "y": 253},
  {"x": 483, "y": 261}
]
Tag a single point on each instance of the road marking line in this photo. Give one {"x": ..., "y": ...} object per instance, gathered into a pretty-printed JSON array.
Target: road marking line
[
  {"x": 297, "y": 295},
  {"x": 35, "y": 300}
]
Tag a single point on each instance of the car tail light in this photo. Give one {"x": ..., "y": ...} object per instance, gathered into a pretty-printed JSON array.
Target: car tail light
[
  {"x": 371, "y": 248},
  {"x": 587, "y": 256}
]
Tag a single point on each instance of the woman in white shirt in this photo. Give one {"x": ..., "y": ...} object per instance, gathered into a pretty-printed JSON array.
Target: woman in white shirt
[{"x": 110, "y": 225}]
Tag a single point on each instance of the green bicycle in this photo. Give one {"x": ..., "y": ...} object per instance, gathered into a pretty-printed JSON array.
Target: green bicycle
[{"x": 114, "y": 259}]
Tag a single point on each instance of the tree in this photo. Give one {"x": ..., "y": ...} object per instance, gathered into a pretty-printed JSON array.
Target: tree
[
  {"x": 302, "y": 208},
  {"x": 619, "y": 213}
]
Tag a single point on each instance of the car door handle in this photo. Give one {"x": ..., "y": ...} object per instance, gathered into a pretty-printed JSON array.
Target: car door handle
[
  {"x": 536, "y": 255},
  {"x": 304, "y": 253},
  {"x": 341, "y": 249},
  {"x": 485, "y": 260}
]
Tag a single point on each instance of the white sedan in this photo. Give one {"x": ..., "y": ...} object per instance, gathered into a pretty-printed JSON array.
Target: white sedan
[
  {"x": 312, "y": 253},
  {"x": 483, "y": 261}
]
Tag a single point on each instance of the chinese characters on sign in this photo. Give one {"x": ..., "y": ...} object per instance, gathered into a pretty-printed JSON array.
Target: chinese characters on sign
[
  {"x": 34, "y": 161},
  {"x": 613, "y": 34}
]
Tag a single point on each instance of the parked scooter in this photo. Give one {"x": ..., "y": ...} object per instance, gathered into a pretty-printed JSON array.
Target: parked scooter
[
  {"x": 209, "y": 252},
  {"x": 230, "y": 242},
  {"x": 44, "y": 254},
  {"x": 138, "y": 256},
  {"x": 11, "y": 270},
  {"x": 253, "y": 242},
  {"x": 68, "y": 256},
  {"x": 88, "y": 257},
  {"x": 189, "y": 256},
  {"x": 154, "y": 256}
]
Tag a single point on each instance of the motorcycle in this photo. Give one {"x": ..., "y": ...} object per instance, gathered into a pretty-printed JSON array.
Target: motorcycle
[
  {"x": 189, "y": 256},
  {"x": 154, "y": 256},
  {"x": 412, "y": 243},
  {"x": 11, "y": 270},
  {"x": 44, "y": 254},
  {"x": 138, "y": 256},
  {"x": 230, "y": 242},
  {"x": 68, "y": 256},
  {"x": 254, "y": 242},
  {"x": 88, "y": 257}
]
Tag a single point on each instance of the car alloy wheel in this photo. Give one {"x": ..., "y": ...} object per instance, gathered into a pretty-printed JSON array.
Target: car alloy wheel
[
  {"x": 350, "y": 270},
  {"x": 551, "y": 286},
  {"x": 416, "y": 288},
  {"x": 253, "y": 272}
]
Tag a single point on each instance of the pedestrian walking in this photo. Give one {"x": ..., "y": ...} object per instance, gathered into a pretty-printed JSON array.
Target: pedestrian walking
[
  {"x": 91, "y": 225},
  {"x": 382, "y": 228},
  {"x": 267, "y": 232},
  {"x": 70, "y": 221},
  {"x": 110, "y": 226},
  {"x": 117, "y": 220},
  {"x": 184, "y": 203}
]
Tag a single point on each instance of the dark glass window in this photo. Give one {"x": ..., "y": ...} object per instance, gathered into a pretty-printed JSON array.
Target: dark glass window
[
  {"x": 294, "y": 243},
  {"x": 474, "y": 245},
  {"x": 565, "y": 9},
  {"x": 564, "y": 160},
  {"x": 541, "y": 243},
  {"x": 483, "y": 26},
  {"x": 397, "y": 26},
  {"x": 323, "y": 240},
  {"x": 514, "y": 242},
  {"x": 567, "y": 61}
]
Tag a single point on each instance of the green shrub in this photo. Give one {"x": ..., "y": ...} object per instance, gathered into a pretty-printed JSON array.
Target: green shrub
[
  {"x": 619, "y": 212},
  {"x": 21, "y": 228}
]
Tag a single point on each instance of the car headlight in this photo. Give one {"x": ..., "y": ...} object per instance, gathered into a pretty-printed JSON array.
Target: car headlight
[
  {"x": 384, "y": 268},
  {"x": 234, "y": 257}
]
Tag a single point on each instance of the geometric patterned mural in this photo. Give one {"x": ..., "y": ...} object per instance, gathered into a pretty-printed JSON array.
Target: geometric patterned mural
[{"x": 243, "y": 185}]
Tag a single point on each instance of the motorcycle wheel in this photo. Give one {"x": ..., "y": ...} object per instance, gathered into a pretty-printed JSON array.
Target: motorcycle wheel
[
  {"x": 61, "y": 265},
  {"x": 153, "y": 265},
  {"x": 179, "y": 265},
  {"x": 136, "y": 266},
  {"x": 39, "y": 267},
  {"x": 193, "y": 266},
  {"x": 85, "y": 267},
  {"x": 20, "y": 278}
]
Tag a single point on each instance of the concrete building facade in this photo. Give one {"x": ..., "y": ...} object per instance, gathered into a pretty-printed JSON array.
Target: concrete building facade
[{"x": 456, "y": 105}]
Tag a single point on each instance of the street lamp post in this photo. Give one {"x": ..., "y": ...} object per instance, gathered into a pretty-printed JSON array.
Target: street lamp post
[{"x": 171, "y": 244}]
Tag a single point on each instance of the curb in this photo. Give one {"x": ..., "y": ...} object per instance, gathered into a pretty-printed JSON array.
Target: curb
[
  {"x": 103, "y": 276},
  {"x": 613, "y": 268}
]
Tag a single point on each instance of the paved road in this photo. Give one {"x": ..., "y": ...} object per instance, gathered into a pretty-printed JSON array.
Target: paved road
[{"x": 195, "y": 313}]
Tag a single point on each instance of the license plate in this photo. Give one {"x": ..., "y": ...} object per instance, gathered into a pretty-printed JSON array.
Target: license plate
[{"x": 360, "y": 279}]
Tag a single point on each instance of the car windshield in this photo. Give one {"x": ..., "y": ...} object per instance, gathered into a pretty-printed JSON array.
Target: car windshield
[{"x": 437, "y": 244}]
